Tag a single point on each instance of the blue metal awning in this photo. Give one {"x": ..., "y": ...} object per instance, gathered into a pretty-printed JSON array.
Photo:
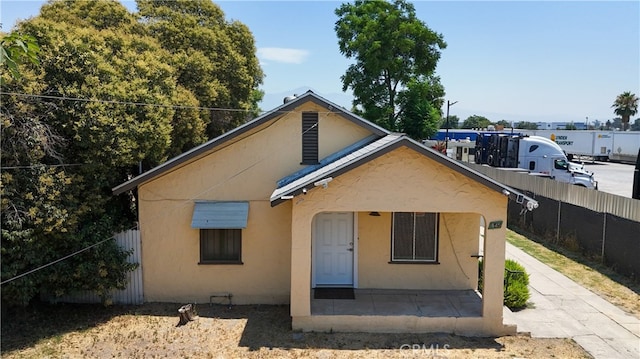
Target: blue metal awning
[{"x": 220, "y": 215}]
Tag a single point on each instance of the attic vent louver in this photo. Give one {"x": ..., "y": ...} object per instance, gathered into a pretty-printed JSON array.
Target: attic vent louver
[{"x": 309, "y": 138}]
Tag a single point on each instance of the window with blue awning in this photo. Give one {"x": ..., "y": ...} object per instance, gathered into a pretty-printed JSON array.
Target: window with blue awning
[{"x": 220, "y": 215}]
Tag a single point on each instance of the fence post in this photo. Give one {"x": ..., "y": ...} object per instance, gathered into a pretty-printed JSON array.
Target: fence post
[
  {"x": 558, "y": 222},
  {"x": 604, "y": 236}
]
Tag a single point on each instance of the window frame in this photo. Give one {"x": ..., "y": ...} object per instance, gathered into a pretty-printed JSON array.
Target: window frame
[
  {"x": 436, "y": 244},
  {"x": 203, "y": 238}
]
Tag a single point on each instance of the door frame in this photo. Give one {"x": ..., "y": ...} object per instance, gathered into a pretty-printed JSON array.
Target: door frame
[{"x": 354, "y": 272}]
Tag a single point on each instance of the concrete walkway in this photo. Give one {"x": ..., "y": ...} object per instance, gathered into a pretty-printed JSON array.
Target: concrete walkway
[{"x": 564, "y": 309}]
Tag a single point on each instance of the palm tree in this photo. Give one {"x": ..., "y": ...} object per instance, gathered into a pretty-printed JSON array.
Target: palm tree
[{"x": 625, "y": 106}]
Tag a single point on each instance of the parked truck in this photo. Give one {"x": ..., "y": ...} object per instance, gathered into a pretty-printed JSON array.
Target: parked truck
[
  {"x": 576, "y": 143},
  {"x": 535, "y": 155}
]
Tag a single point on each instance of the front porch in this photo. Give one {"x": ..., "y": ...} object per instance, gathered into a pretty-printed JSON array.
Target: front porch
[
  {"x": 402, "y": 302},
  {"x": 403, "y": 311}
]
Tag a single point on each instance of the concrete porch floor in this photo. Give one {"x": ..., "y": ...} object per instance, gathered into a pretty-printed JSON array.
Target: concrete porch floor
[{"x": 421, "y": 303}]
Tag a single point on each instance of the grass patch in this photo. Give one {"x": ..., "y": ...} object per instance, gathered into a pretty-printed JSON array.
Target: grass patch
[
  {"x": 258, "y": 331},
  {"x": 596, "y": 277}
]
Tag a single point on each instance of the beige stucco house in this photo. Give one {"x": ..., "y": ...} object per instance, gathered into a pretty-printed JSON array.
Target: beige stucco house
[{"x": 310, "y": 196}]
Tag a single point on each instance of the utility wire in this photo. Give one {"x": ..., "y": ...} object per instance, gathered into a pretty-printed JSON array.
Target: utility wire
[
  {"x": 41, "y": 165},
  {"x": 115, "y": 102},
  {"x": 131, "y": 103},
  {"x": 56, "y": 261}
]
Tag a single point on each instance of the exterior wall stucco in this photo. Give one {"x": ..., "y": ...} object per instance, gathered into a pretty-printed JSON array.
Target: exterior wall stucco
[
  {"x": 245, "y": 170},
  {"x": 457, "y": 270},
  {"x": 403, "y": 181}
]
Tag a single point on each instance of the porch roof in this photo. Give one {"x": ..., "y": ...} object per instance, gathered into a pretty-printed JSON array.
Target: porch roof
[{"x": 296, "y": 185}]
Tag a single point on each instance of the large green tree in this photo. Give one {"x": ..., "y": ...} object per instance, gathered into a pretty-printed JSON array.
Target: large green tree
[
  {"x": 476, "y": 121},
  {"x": 15, "y": 49},
  {"x": 214, "y": 59},
  {"x": 625, "y": 106},
  {"x": 395, "y": 57}
]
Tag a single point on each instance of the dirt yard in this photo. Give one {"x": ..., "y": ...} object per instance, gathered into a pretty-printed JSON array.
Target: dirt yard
[{"x": 151, "y": 331}]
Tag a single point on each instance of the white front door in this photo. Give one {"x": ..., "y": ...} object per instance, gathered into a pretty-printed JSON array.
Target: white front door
[{"x": 333, "y": 249}]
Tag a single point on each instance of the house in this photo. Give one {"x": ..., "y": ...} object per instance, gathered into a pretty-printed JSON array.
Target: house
[{"x": 310, "y": 196}]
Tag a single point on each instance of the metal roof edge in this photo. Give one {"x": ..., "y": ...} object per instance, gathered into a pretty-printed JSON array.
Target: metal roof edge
[{"x": 444, "y": 160}]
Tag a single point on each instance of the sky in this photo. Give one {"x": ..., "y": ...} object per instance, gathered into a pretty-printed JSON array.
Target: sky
[{"x": 536, "y": 61}]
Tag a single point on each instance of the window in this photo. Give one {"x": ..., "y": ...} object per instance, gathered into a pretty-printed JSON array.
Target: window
[
  {"x": 220, "y": 245},
  {"x": 414, "y": 237},
  {"x": 220, "y": 225},
  {"x": 309, "y": 138},
  {"x": 561, "y": 165}
]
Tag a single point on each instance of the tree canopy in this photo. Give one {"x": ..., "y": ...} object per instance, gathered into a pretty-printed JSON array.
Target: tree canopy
[
  {"x": 476, "y": 121},
  {"x": 525, "y": 125},
  {"x": 213, "y": 58},
  {"x": 393, "y": 77},
  {"x": 106, "y": 99},
  {"x": 625, "y": 106}
]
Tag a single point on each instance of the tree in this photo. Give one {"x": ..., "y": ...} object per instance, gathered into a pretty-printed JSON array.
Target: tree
[
  {"x": 454, "y": 122},
  {"x": 503, "y": 124},
  {"x": 419, "y": 120},
  {"x": 476, "y": 121},
  {"x": 395, "y": 53},
  {"x": 570, "y": 126},
  {"x": 625, "y": 106},
  {"x": 17, "y": 48},
  {"x": 214, "y": 59},
  {"x": 56, "y": 195},
  {"x": 525, "y": 125}
]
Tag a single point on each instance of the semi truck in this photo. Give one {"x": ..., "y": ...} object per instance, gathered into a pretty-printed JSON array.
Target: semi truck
[
  {"x": 533, "y": 154},
  {"x": 576, "y": 143}
]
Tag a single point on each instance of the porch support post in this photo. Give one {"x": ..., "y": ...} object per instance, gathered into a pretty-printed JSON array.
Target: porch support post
[
  {"x": 492, "y": 293},
  {"x": 300, "y": 264}
]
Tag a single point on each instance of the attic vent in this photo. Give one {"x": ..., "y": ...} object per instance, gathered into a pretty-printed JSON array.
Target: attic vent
[{"x": 309, "y": 138}]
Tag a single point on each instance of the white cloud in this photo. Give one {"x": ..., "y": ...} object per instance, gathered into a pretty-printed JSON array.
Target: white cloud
[{"x": 279, "y": 54}]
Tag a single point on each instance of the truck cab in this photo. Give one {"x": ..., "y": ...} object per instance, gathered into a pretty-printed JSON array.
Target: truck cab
[{"x": 539, "y": 154}]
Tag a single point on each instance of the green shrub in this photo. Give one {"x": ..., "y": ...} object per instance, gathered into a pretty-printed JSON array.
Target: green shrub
[
  {"x": 516, "y": 295},
  {"x": 516, "y": 284}
]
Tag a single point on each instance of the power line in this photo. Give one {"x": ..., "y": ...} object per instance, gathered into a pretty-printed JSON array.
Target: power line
[
  {"x": 114, "y": 102},
  {"x": 56, "y": 261},
  {"x": 41, "y": 165},
  {"x": 131, "y": 103}
]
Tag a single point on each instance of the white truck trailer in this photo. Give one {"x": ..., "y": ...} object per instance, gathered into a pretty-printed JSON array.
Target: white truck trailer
[
  {"x": 575, "y": 143},
  {"x": 625, "y": 146}
]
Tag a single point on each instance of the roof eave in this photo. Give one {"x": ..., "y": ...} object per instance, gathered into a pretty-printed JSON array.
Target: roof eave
[
  {"x": 266, "y": 117},
  {"x": 446, "y": 161}
]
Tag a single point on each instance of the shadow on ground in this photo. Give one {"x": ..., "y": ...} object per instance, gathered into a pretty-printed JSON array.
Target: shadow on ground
[
  {"x": 266, "y": 326},
  {"x": 270, "y": 327}
]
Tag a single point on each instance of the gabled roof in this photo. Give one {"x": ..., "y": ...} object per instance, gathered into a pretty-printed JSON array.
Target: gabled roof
[
  {"x": 220, "y": 141},
  {"x": 378, "y": 148}
]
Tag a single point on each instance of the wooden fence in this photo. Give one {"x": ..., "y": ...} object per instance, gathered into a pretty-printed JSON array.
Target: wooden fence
[{"x": 133, "y": 294}]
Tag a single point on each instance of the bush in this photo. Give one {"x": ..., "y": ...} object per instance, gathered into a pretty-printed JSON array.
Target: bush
[{"x": 516, "y": 284}]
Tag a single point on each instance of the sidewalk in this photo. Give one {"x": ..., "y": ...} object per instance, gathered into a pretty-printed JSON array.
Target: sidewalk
[{"x": 564, "y": 309}]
